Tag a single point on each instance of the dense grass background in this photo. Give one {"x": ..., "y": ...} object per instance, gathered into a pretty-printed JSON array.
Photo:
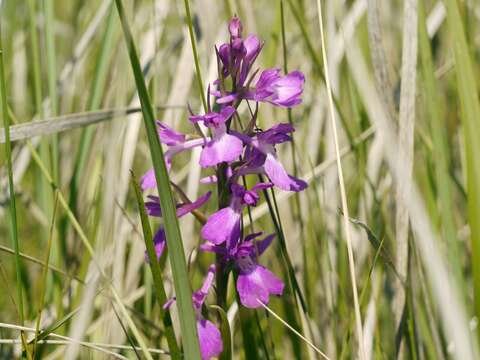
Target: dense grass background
[{"x": 404, "y": 80}]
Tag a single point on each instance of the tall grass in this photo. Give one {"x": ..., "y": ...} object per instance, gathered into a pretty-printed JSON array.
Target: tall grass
[{"x": 389, "y": 139}]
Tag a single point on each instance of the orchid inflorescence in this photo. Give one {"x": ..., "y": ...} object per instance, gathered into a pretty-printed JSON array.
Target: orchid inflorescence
[{"x": 234, "y": 154}]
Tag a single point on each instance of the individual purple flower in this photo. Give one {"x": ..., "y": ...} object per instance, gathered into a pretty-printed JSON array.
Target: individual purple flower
[
  {"x": 224, "y": 225},
  {"x": 278, "y": 90},
  {"x": 255, "y": 283},
  {"x": 223, "y": 147},
  {"x": 209, "y": 336},
  {"x": 153, "y": 209},
  {"x": 261, "y": 157}
]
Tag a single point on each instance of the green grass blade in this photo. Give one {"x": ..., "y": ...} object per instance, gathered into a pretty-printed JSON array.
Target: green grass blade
[
  {"x": 98, "y": 86},
  {"x": 470, "y": 106},
  {"x": 439, "y": 137},
  {"x": 156, "y": 273},
  {"x": 42, "y": 335},
  {"x": 13, "y": 209},
  {"x": 52, "y": 76},
  {"x": 172, "y": 230},
  {"x": 195, "y": 55}
]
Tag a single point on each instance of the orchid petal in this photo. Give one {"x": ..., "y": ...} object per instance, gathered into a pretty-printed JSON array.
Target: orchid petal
[
  {"x": 210, "y": 339},
  {"x": 223, "y": 148},
  {"x": 221, "y": 225}
]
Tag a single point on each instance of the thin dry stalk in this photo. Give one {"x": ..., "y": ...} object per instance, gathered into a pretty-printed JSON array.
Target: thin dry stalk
[{"x": 351, "y": 261}]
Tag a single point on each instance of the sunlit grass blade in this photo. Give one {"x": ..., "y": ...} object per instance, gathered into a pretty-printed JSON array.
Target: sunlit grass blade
[
  {"x": 174, "y": 240},
  {"x": 406, "y": 127},
  {"x": 156, "y": 273},
  {"x": 468, "y": 93}
]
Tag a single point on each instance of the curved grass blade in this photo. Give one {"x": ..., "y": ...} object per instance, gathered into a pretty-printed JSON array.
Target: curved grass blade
[
  {"x": 156, "y": 273},
  {"x": 174, "y": 240}
]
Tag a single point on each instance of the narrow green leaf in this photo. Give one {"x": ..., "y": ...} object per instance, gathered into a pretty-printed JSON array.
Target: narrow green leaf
[
  {"x": 156, "y": 273},
  {"x": 54, "y": 326},
  {"x": 51, "y": 57},
  {"x": 174, "y": 240},
  {"x": 470, "y": 106},
  {"x": 98, "y": 85},
  {"x": 433, "y": 102}
]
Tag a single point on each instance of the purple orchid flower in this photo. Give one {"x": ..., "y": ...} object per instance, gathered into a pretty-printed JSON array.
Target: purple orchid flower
[
  {"x": 284, "y": 91},
  {"x": 224, "y": 225},
  {"x": 223, "y": 147},
  {"x": 177, "y": 143},
  {"x": 153, "y": 209},
  {"x": 261, "y": 157},
  {"x": 209, "y": 336},
  {"x": 255, "y": 283}
]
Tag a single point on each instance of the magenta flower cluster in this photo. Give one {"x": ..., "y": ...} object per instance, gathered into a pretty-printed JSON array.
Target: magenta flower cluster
[{"x": 234, "y": 150}]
